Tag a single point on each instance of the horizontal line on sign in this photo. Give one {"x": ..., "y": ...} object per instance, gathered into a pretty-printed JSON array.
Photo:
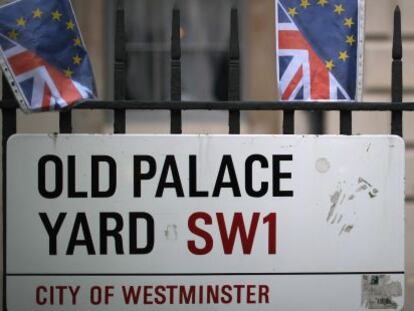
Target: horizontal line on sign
[{"x": 203, "y": 274}]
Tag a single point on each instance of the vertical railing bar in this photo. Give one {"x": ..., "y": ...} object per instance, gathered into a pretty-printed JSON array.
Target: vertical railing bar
[
  {"x": 397, "y": 75},
  {"x": 288, "y": 122},
  {"x": 120, "y": 64},
  {"x": 175, "y": 90},
  {"x": 345, "y": 122},
  {"x": 65, "y": 122},
  {"x": 9, "y": 128},
  {"x": 234, "y": 72},
  {"x": 318, "y": 120}
]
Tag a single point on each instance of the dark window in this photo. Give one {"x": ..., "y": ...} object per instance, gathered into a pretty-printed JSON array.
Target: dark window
[{"x": 205, "y": 28}]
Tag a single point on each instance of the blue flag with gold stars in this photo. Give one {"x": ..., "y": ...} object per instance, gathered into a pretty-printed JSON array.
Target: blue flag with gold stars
[
  {"x": 320, "y": 49},
  {"x": 43, "y": 55}
]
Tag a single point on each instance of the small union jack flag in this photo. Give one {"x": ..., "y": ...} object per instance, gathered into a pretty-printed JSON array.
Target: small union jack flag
[
  {"x": 319, "y": 49},
  {"x": 43, "y": 54}
]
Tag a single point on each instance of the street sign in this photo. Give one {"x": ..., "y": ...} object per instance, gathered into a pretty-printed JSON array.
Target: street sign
[{"x": 164, "y": 222}]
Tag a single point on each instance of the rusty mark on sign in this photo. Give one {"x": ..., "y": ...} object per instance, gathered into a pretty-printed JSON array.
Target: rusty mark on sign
[{"x": 379, "y": 291}]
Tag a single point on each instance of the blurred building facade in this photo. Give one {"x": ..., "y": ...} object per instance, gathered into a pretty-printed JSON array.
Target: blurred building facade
[{"x": 205, "y": 31}]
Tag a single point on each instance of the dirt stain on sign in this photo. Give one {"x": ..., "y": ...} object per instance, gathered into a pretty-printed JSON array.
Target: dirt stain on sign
[
  {"x": 334, "y": 203},
  {"x": 322, "y": 165},
  {"x": 343, "y": 211},
  {"x": 171, "y": 233},
  {"x": 379, "y": 291},
  {"x": 346, "y": 229}
]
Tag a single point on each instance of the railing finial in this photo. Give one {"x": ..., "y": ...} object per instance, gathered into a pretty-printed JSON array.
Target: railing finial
[
  {"x": 120, "y": 4},
  {"x": 234, "y": 35},
  {"x": 176, "y": 34},
  {"x": 397, "y": 74},
  {"x": 234, "y": 72},
  {"x": 397, "y": 41},
  {"x": 176, "y": 115},
  {"x": 120, "y": 68}
]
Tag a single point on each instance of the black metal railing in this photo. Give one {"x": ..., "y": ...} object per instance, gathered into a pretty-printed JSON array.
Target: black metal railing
[{"x": 234, "y": 106}]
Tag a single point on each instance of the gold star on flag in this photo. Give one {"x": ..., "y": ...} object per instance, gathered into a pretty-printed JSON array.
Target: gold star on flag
[
  {"x": 322, "y": 2},
  {"x": 77, "y": 42},
  {"x": 13, "y": 34},
  {"x": 329, "y": 64},
  {"x": 37, "y": 13},
  {"x": 343, "y": 55},
  {"x": 304, "y": 4},
  {"x": 339, "y": 9},
  {"x": 21, "y": 21},
  {"x": 292, "y": 12},
  {"x": 56, "y": 15},
  {"x": 68, "y": 73},
  {"x": 350, "y": 40},
  {"x": 70, "y": 25},
  {"x": 77, "y": 60},
  {"x": 348, "y": 22}
]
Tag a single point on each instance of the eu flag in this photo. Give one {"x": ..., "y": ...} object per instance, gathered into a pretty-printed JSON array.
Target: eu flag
[
  {"x": 320, "y": 49},
  {"x": 43, "y": 54}
]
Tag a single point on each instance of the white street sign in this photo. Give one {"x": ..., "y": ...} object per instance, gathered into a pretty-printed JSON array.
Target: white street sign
[{"x": 163, "y": 222}]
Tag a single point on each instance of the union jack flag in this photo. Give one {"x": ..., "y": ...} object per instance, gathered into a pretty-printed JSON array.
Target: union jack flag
[
  {"x": 319, "y": 49},
  {"x": 43, "y": 55}
]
